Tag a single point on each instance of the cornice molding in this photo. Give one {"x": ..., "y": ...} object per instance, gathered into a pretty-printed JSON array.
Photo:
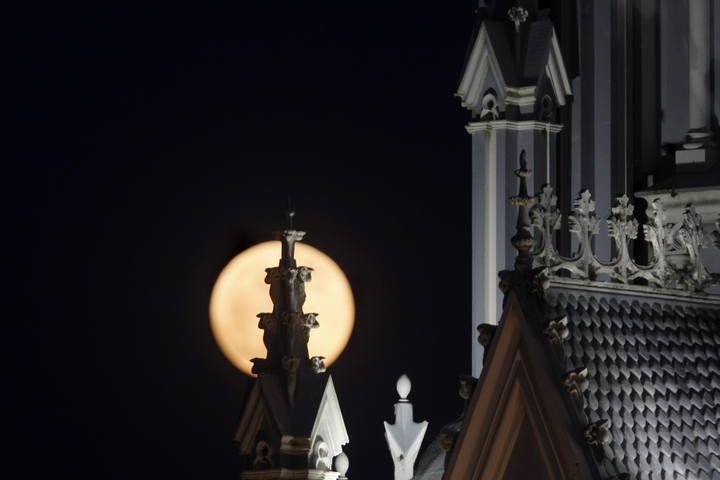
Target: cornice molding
[
  {"x": 634, "y": 291},
  {"x": 518, "y": 126}
]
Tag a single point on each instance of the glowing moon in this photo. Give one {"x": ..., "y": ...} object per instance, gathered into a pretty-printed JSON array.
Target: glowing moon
[{"x": 240, "y": 293}]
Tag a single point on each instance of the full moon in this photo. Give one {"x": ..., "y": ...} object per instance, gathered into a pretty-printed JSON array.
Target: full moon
[{"x": 240, "y": 293}]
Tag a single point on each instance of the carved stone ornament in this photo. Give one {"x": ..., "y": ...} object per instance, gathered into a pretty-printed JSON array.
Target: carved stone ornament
[
  {"x": 518, "y": 15},
  {"x": 317, "y": 364},
  {"x": 598, "y": 433},
  {"x": 263, "y": 456},
  {"x": 576, "y": 381},
  {"x": 321, "y": 455},
  {"x": 486, "y": 332},
  {"x": 466, "y": 386},
  {"x": 557, "y": 330},
  {"x": 490, "y": 109},
  {"x": 286, "y": 330},
  {"x": 675, "y": 248}
]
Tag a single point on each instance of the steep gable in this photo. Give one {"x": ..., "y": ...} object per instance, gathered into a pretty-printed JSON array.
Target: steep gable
[
  {"x": 492, "y": 63},
  {"x": 518, "y": 410}
]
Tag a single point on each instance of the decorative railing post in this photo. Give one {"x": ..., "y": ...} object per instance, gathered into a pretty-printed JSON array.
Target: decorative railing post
[
  {"x": 676, "y": 261},
  {"x": 692, "y": 237},
  {"x": 584, "y": 223},
  {"x": 546, "y": 217},
  {"x": 656, "y": 233},
  {"x": 622, "y": 227}
]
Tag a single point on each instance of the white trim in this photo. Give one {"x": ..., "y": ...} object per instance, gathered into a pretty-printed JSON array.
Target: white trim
[
  {"x": 491, "y": 228},
  {"x": 286, "y": 474},
  {"x": 522, "y": 96},
  {"x": 482, "y": 60},
  {"x": 329, "y": 423},
  {"x": 556, "y": 72},
  {"x": 252, "y": 419},
  {"x": 474, "y": 127}
]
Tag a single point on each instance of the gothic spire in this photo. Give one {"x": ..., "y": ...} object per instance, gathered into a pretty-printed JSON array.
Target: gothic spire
[{"x": 287, "y": 327}]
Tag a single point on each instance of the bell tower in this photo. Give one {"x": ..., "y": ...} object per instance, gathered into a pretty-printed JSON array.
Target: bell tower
[{"x": 514, "y": 82}]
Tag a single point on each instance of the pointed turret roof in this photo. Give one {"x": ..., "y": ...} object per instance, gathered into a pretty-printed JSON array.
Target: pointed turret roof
[{"x": 292, "y": 419}]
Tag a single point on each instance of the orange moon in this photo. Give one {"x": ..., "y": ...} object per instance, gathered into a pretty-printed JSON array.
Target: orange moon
[{"x": 240, "y": 293}]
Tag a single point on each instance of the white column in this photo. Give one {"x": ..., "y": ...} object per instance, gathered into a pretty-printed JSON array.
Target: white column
[
  {"x": 699, "y": 102},
  {"x": 404, "y": 437}
]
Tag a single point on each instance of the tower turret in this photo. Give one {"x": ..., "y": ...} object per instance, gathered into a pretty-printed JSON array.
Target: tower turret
[{"x": 292, "y": 420}]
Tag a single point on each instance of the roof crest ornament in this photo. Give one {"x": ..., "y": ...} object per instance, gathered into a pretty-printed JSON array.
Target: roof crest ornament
[{"x": 676, "y": 260}]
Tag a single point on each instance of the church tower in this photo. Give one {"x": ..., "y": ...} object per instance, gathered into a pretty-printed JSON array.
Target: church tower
[
  {"x": 291, "y": 426},
  {"x": 514, "y": 82}
]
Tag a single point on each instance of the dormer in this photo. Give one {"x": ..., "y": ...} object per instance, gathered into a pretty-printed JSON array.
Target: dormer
[{"x": 514, "y": 66}]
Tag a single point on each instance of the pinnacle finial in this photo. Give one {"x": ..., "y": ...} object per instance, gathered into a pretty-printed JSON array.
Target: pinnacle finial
[
  {"x": 405, "y": 436},
  {"x": 289, "y": 214},
  {"x": 518, "y": 15},
  {"x": 403, "y": 387},
  {"x": 523, "y": 240}
]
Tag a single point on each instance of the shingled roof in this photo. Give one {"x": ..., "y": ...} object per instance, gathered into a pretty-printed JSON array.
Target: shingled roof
[
  {"x": 618, "y": 382},
  {"x": 653, "y": 366}
]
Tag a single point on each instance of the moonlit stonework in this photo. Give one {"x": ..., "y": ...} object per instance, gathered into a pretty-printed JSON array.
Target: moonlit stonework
[{"x": 240, "y": 293}]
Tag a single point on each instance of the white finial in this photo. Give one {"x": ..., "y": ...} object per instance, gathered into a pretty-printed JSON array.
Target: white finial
[
  {"x": 403, "y": 387},
  {"x": 404, "y": 437},
  {"x": 342, "y": 464}
]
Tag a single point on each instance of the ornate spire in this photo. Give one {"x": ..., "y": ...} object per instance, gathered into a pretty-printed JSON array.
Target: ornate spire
[{"x": 287, "y": 327}]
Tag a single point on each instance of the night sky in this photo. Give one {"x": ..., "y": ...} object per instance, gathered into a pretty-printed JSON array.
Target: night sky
[{"x": 151, "y": 143}]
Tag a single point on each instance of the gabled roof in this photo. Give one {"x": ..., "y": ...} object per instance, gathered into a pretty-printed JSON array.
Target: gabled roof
[
  {"x": 316, "y": 411},
  {"x": 633, "y": 374},
  {"x": 653, "y": 365},
  {"x": 518, "y": 424},
  {"x": 493, "y": 52}
]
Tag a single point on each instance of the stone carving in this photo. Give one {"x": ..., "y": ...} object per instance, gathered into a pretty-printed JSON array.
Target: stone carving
[
  {"x": 321, "y": 455},
  {"x": 675, "y": 248},
  {"x": 598, "y": 433},
  {"x": 518, "y": 15},
  {"x": 546, "y": 217},
  {"x": 466, "y": 386},
  {"x": 622, "y": 227},
  {"x": 576, "y": 381},
  {"x": 489, "y": 110},
  {"x": 546, "y": 109},
  {"x": 286, "y": 330},
  {"x": 486, "y": 332},
  {"x": 692, "y": 238},
  {"x": 263, "y": 454},
  {"x": 317, "y": 364},
  {"x": 557, "y": 330}
]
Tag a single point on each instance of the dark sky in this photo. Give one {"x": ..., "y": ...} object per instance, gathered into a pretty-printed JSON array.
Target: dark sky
[{"x": 150, "y": 143}]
